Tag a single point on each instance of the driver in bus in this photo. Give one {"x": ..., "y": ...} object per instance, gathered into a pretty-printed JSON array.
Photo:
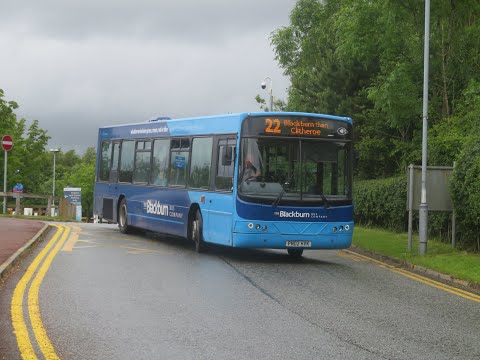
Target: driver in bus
[{"x": 250, "y": 171}]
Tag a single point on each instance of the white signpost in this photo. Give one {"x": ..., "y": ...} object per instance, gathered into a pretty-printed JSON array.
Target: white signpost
[
  {"x": 7, "y": 145},
  {"x": 74, "y": 196}
]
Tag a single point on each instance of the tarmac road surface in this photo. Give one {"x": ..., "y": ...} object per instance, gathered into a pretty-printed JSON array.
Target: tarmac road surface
[{"x": 105, "y": 295}]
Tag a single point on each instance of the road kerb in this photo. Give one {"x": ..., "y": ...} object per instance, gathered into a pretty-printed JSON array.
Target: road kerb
[
  {"x": 434, "y": 275},
  {"x": 12, "y": 260}
]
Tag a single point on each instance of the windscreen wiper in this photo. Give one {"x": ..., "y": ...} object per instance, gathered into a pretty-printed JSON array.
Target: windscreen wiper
[
  {"x": 280, "y": 195},
  {"x": 325, "y": 201}
]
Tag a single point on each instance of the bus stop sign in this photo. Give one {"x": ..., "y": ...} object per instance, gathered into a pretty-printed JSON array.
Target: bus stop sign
[{"x": 7, "y": 142}]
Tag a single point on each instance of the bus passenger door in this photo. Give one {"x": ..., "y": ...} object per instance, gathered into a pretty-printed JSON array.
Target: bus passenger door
[
  {"x": 220, "y": 201},
  {"x": 109, "y": 203}
]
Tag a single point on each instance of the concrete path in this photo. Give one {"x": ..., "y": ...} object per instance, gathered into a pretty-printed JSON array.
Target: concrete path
[{"x": 17, "y": 235}]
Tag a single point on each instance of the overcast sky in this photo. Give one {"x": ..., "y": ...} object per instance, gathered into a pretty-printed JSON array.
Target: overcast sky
[{"x": 77, "y": 65}]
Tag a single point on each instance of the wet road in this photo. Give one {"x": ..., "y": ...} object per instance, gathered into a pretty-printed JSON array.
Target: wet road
[{"x": 106, "y": 295}]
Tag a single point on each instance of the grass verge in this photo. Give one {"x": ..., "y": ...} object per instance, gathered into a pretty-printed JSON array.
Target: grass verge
[{"x": 440, "y": 257}]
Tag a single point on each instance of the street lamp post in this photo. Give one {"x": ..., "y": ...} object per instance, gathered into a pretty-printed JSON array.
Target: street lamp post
[
  {"x": 54, "y": 151},
  {"x": 264, "y": 85},
  {"x": 423, "y": 209}
]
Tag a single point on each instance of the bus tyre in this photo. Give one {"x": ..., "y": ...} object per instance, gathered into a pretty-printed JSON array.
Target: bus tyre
[
  {"x": 123, "y": 218},
  {"x": 295, "y": 253},
  {"x": 197, "y": 232}
]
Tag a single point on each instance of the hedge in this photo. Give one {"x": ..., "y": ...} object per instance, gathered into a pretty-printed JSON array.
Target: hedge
[
  {"x": 465, "y": 188},
  {"x": 383, "y": 203}
]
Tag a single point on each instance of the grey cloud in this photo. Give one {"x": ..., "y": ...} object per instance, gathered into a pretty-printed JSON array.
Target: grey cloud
[
  {"x": 75, "y": 66},
  {"x": 180, "y": 20}
]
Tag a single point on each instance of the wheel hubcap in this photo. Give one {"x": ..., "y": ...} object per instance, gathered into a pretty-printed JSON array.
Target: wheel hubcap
[
  {"x": 194, "y": 231},
  {"x": 123, "y": 216}
]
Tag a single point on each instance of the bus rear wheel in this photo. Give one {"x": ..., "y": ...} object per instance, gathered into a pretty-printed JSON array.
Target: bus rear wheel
[
  {"x": 123, "y": 218},
  {"x": 197, "y": 232},
  {"x": 295, "y": 253}
]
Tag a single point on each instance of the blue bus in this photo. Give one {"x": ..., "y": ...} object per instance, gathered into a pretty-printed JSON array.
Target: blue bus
[{"x": 276, "y": 180}]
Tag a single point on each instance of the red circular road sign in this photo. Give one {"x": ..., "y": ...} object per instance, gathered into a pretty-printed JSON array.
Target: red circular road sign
[{"x": 7, "y": 142}]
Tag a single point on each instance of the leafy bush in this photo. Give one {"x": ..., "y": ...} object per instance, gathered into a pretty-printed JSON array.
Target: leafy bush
[
  {"x": 381, "y": 202},
  {"x": 465, "y": 188}
]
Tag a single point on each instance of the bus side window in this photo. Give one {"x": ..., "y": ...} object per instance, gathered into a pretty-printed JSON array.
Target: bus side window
[
  {"x": 127, "y": 154},
  {"x": 179, "y": 154},
  {"x": 225, "y": 164},
  {"x": 113, "y": 178},
  {"x": 201, "y": 163},
  {"x": 143, "y": 155},
  {"x": 161, "y": 151},
  {"x": 105, "y": 161},
  {"x": 227, "y": 155}
]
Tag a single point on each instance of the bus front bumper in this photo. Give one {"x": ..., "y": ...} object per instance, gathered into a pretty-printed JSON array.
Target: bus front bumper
[{"x": 301, "y": 235}]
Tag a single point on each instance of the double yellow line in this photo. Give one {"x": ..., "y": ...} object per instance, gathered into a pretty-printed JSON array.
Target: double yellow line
[
  {"x": 424, "y": 280},
  {"x": 18, "y": 320}
]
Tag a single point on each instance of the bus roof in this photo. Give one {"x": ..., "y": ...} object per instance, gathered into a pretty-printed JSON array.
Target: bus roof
[{"x": 203, "y": 125}]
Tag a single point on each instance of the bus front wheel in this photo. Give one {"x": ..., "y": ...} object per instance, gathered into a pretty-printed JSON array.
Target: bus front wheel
[
  {"x": 197, "y": 232},
  {"x": 123, "y": 218},
  {"x": 295, "y": 253}
]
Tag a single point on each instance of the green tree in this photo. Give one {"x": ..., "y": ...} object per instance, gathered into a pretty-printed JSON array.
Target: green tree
[
  {"x": 82, "y": 175},
  {"x": 364, "y": 59},
  {"x": 278, "y": 104},
  {"x": 27, "y": 162},
  {"x": 31, "y": 157}
]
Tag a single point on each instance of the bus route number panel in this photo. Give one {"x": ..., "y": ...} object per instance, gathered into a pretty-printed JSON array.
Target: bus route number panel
[{"x": 298, "y": 127}]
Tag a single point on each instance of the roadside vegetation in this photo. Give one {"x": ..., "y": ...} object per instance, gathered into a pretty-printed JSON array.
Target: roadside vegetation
[
  {"x": 364, "y": 59},
  {"x": 30, "y": 162},
  {"x": 440, "y": 257}
]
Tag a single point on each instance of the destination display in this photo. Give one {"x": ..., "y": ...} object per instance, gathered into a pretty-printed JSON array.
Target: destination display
[{"x": 297, "y": 127}]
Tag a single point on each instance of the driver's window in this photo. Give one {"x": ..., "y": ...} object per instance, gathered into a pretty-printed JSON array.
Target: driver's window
[
  {"x": 251, "y": 167},
  {"x": 225, "y": 164}
]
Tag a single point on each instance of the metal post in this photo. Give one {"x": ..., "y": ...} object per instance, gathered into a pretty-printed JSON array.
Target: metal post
[
  {"x": 18, "y": 205},
  {"x": 410, "y": 206},
  {"x": 53, "y": 190},
  {"x": 53, "y": 199},
  {"x": 454, "y": 235},
  {"x": 423, "y": 209},
  {"x": 454, "y": 218},
  {"x": 271, "y": 90},
  {"x": 49, "y": 206},
  {"x": 5, "y": 182},
  {"x": 271, "y": 96}
]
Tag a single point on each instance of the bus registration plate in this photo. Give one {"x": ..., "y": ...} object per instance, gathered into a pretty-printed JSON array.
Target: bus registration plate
[{"x": 298, "y": 243}]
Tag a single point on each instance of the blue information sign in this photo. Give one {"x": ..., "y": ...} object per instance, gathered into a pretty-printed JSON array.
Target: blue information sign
[
  {"x": 73, "y": 195},
  {"x": 179, "y": 162}
]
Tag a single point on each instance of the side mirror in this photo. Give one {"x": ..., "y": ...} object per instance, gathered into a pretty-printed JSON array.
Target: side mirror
[{"x": 227, "y": 155}]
